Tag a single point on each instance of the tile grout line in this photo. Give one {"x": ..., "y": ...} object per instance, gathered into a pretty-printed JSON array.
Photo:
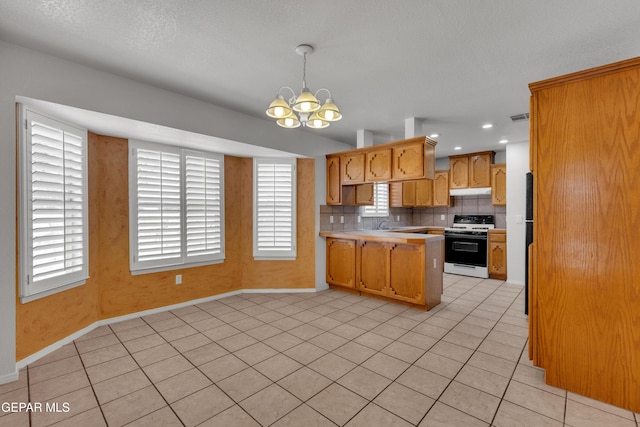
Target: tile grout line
[
  {"x": 90, "y": 384},
  {"x": 146, "y": 376},
  {"x": 475, "y": 350}
]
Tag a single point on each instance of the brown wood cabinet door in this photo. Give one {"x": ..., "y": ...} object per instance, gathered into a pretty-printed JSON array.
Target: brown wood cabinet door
[
  {"x": 424, "y": 193},
  {"x": 364, "y": 194},
  {"x": 341, "y": 262},
  {"x": 372, "y": 267},
  {"x": 408, "y": 161},
  {"x": 409, "y": 193},
  {"x": 406, "y": 272},
  {"x": 480, "y": 170},
  {"x": 498, "y": 255},
  {"x": 395, "y": 194},
  {"x": 441, "y": 195},
  {"x": 499, "y": 185},
  {"x": 459, "y": 172},
  {"x": 586, "y": 292},
  {"x": 334, "y": 187},
  {"x": 353, "y": 168},
  {"x": 378, "y": 165}
]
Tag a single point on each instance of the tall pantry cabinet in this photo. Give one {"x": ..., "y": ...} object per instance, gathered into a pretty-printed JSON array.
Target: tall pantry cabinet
[{"x": 585, "y": 272}]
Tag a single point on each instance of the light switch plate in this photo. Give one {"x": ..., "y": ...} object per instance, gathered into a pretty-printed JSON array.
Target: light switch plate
[
  {"x": 330, "y": 219},
  {"x": 442, "y": 217},
  {"x": 178, "y": 279},
  {"x": 341, "y": 219}
]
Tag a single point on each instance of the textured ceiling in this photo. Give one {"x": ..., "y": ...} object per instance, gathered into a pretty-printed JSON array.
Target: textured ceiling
[{"x": 454, "y": 64}]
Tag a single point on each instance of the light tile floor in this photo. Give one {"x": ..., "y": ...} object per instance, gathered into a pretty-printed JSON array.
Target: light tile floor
[{"x": 311, "y": 359}]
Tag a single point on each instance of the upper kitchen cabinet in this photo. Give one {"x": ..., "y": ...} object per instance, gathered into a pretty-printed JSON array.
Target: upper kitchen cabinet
[
  {"x": 395, "y": 194},
  {"x": 378, "y": 166},
  {"x": 357, "y": 195},
  {"x": 424, "y": 193},
  {"x": 459, "y": 171},
  {"x": 352, "y": 168},
  {"x": 334, "y": 185},
  {"x": 471, "y": 170},
  {"x": 406, "y": 160},
  {"x": 414, "y": 159},
  {"x": 441, "y": 195},
  {"x": 584, "y": 316},
  {"x": 499, "y": 184}
]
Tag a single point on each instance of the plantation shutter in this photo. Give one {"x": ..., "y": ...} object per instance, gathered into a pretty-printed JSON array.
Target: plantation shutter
[
  {"x": 204, "y": 206},
  {"x": 380, "y": 201},
  {"x": 274, "y": 209},
  {"x": 159, "y": 225},
  {"x": 54, "y": 243}
]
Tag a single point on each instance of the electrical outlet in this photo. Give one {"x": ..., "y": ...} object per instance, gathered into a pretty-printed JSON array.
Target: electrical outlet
[
  {"x": 358, "y": 218},
  {"x": 178, "y": 279},
  {"x": 397, "y": 217},
  {"x": 341, "y": 219},
  {"x": 435, "y": 264},
  {"x": 330, "y": 219},
  {"x": 443, "y": 218}
]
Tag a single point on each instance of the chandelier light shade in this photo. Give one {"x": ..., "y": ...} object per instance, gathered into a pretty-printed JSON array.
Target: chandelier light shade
[{"x": 304, "y": 109}]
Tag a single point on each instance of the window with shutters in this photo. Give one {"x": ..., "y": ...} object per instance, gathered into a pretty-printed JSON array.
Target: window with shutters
[
  {"x": 274, "y": 214},
  {"x": 380, "y": 207},
  {"x": 53, "y": 245},
  {"x": 176, "y": 207}
]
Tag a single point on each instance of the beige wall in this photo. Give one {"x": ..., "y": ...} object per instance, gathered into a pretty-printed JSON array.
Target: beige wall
[{"x": 112, "y": 291}]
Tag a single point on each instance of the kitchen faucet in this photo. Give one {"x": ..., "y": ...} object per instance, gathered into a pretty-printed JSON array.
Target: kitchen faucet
[{"x": 381, "y": 224}]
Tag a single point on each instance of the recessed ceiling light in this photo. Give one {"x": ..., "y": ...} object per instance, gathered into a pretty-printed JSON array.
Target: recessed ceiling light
[
  {"x": 457, "y": 148},
  {"x": 503, "y": 141},
  {"x": 434, "y": 135},
  {"x": 487, "y": 126}
]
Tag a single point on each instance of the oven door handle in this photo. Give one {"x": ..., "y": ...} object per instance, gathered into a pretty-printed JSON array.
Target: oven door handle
[{"x": 466, "y": 236}]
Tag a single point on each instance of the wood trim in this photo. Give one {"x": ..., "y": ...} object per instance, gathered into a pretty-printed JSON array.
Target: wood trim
[
  {"x": 585, "y": 74},
  {"x": 478, "y": 153},
  {"x": 425, "y": 139}
]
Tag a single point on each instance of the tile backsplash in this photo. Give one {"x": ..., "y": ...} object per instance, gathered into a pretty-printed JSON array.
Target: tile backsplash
[{"x": 467, "y": 205}]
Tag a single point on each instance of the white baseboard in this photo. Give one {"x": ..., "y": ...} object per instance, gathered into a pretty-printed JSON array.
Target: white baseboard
[
  {"x": 66, "y": 340},
  {"x": 515, "y": 282},
  {"x": 9, "y": 378},
  {"x": 55, "y": 346}
]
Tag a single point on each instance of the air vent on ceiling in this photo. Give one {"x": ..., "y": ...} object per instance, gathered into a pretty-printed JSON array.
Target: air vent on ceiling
[{"x": 520, "y": 117}]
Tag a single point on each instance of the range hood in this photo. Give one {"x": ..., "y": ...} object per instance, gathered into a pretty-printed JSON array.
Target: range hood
[{"x": 482, "y": 191}]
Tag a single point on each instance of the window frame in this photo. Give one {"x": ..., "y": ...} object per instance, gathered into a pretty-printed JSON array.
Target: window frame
[
  {"x": 30, "y": 290},
  {"x": 377, "y": 211},
  {"x": 261, "y": 254},
  {"x": 137, "y": 267}
]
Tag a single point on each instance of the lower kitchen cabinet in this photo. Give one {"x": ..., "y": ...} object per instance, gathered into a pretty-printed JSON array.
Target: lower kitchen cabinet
[
  {"x": 341, "y": 262},
  {"x": 498, "y": 254},
  {"x": 371, "y": 267},
  {"x": 408, "y": 272}
]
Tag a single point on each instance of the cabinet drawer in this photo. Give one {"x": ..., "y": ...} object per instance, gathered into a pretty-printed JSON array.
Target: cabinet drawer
[{"x": 497, "y": 236}]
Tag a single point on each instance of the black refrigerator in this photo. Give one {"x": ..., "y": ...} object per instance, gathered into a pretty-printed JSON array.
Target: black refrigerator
[{"x": 528, "y": 223}]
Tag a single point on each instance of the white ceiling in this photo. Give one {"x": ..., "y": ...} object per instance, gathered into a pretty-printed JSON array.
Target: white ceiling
[{"x": 454, "y": 64}]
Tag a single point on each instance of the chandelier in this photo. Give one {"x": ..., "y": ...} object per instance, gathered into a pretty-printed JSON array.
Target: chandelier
[{"x": 304, "y": 109}]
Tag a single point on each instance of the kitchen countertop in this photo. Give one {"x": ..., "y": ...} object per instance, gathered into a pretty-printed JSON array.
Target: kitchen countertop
[{"x": 396, "y": 235}]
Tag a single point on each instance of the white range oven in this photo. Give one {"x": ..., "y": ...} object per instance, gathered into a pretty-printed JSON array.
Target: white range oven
[{"x": 466, "y": 245}]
